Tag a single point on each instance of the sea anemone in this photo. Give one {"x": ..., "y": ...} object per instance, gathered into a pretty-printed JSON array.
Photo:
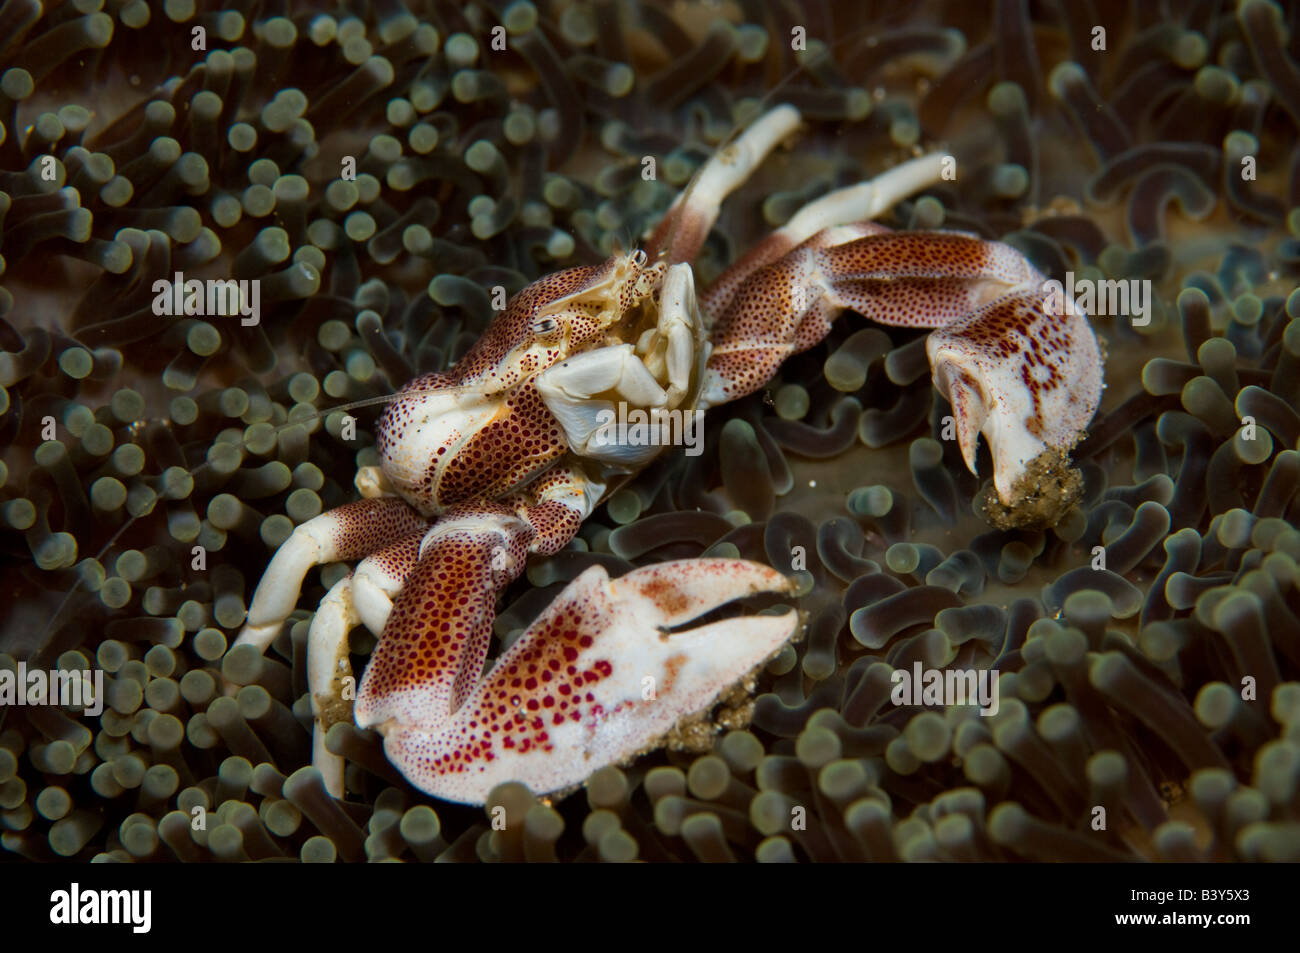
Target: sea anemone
[{"x": 384, "y": 174}]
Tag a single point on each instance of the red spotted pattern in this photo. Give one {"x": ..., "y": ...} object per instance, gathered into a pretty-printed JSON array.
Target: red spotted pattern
[
  {"x": 531, "y": 693},
  {"x": 906, "y": 279},
  {"x": 1052, "y": 358},
  {"x": 438, "y": 632},
  {"x": 367, "y": 526},
  {"x": 397, "y": 560},
  {"x": 522, "y": 441},
  {"x": 723, "y": 291},
  {"x": 570, "y": 690},
  {"x": 551, "y": 319}
]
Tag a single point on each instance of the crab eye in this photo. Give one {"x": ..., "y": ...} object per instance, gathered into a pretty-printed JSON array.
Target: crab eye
[
  {"x": 639, "y": 258},
  {"x": 545, "y": 326}
]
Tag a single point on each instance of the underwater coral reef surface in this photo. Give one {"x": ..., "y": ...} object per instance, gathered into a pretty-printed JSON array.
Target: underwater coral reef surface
[{"x": 371, "y": 177}]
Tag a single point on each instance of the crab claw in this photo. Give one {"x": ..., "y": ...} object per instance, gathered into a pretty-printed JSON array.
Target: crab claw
[
  {"x": 969, "y": 412},
  {"x": 596, "y": 679},
  {"x": 1024, "y": 370}
]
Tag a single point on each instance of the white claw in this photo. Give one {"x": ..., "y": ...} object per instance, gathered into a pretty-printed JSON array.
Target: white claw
[
  {"x": 596, "y": 679},
  {"x": 681, "y": 328},
  {"x": 969, "y": 414},
  {"x": 1025, "y": 376}
]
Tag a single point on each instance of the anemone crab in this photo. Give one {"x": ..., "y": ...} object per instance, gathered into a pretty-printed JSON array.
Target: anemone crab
[{"x": 501, "y": 457}]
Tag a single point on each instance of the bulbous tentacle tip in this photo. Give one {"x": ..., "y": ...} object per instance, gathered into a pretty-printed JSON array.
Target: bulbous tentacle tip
[{"x": 601, "y": 676}]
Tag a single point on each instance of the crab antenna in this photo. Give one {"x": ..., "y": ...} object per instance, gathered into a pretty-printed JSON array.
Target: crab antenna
[
  {"x": 407, "y": 390},
  {"x": 625, "y": 241},
  {"x": 324, "y": 411}
]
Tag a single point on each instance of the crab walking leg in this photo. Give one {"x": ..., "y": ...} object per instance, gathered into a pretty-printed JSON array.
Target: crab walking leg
[
  {"x": 596, "y": 679},
  {"x": 346, "y": 532},
  {"x": 849, "y": 209},
  {"x": 1017, "y": 365},
  {"x": 362, "y": 597},
  {"x": 685, "y": 226}
]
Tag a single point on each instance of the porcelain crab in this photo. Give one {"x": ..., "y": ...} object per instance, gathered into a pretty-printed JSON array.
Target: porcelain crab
[{"x": 504, "y": 456}]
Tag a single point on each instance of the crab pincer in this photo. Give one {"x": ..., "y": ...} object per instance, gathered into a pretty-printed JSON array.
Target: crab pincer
[{"x": 599, "y": 677}]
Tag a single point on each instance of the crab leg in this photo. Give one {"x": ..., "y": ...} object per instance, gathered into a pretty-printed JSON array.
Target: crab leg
[
  {"x": 571, "y": 694},
  {"x": 1015, "y": 363},
  {"x": 364, "y": 597},
  {"x": 681, "y": 233},
  {"x": 347, "y": 532},
  {"x": 836, "y": 217}
]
